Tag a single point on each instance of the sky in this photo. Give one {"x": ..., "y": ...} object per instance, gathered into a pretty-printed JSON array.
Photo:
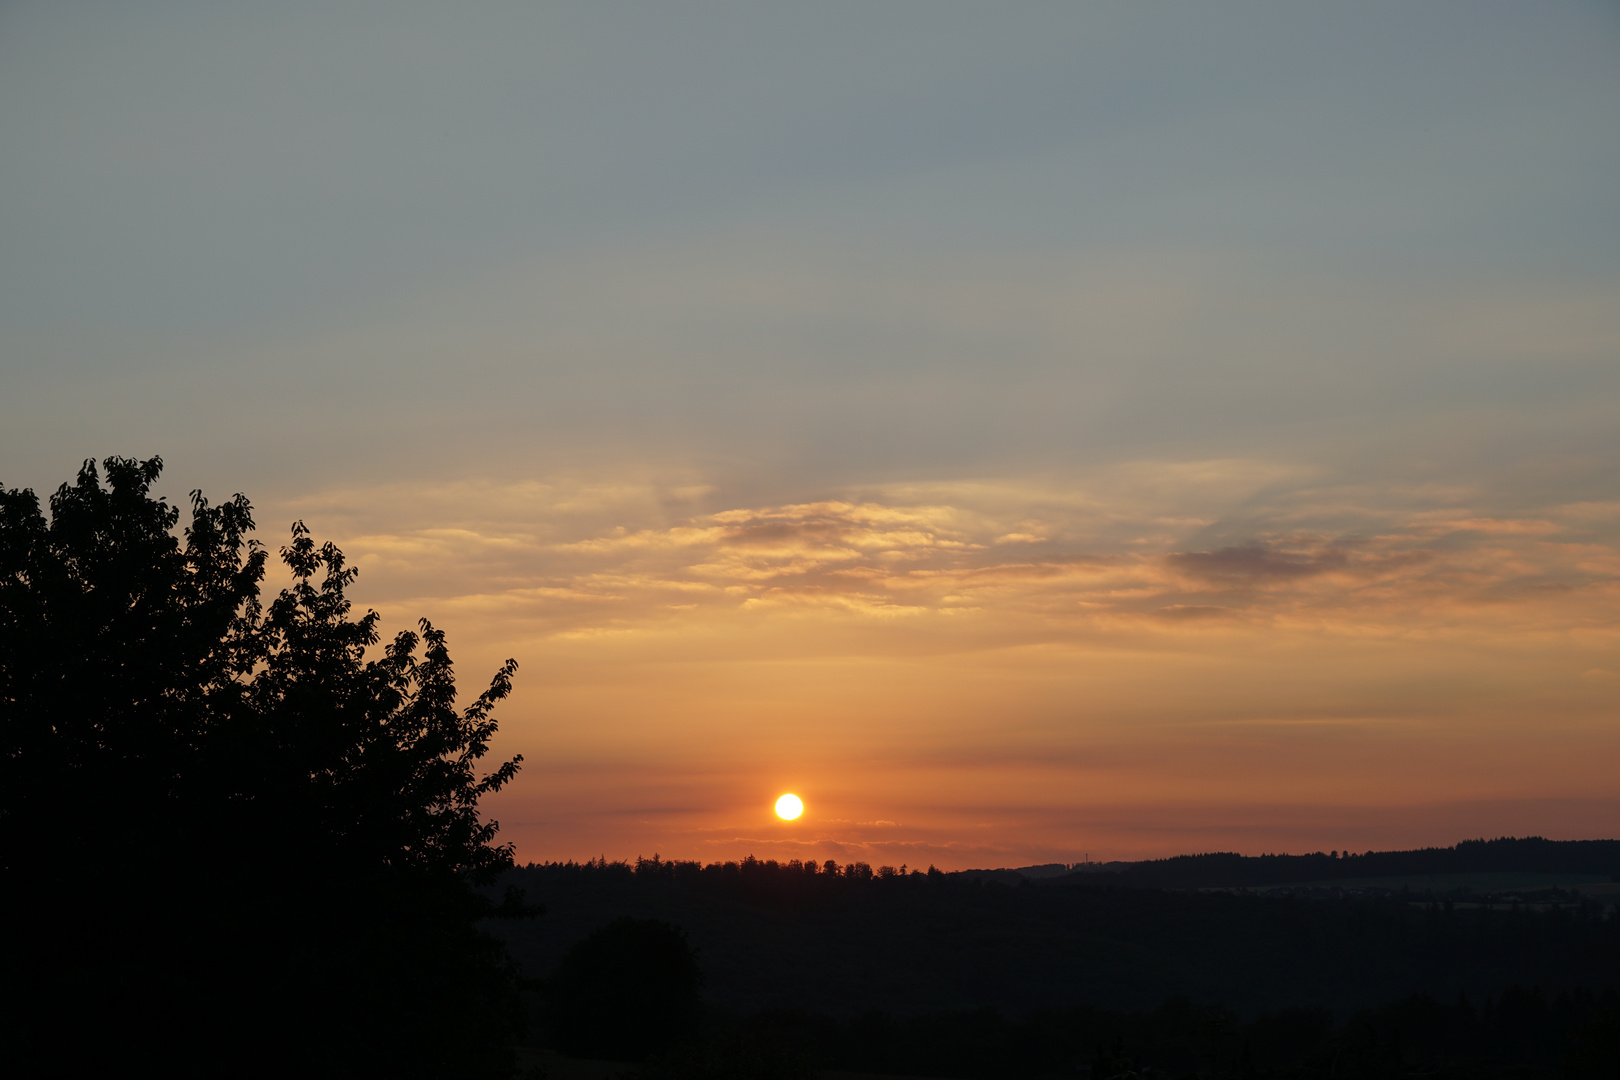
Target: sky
[{"x": 1029, "y": 433}]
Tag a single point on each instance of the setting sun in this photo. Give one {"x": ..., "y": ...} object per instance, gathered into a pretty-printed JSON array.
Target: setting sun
[{"x": 789, "y": 807}]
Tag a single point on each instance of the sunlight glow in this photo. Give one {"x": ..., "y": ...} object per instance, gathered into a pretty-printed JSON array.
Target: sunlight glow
[{"x": 789, "y": 807}]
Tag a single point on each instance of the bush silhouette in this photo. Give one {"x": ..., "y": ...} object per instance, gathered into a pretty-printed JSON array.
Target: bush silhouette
[
  {"x": 628, "y": 990},
  {"x": 238, "y": 845}
]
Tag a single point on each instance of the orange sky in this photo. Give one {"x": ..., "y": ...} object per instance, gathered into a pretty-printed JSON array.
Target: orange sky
[{"x": 1007, "y": 673}]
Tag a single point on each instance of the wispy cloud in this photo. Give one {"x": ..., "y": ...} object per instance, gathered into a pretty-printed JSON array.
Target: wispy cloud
[{"x": 1065, "y": 557}]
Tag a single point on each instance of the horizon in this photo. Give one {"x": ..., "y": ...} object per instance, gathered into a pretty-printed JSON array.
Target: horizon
[
  {"x": 604, "y": 861},
  {"x": 1020, "y": 434}
]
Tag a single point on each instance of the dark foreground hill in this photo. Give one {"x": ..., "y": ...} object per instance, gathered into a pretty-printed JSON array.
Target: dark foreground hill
[{"x": 850, "y": 941}]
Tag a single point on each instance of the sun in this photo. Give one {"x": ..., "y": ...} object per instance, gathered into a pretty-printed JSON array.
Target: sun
[{"x": 789, "y": 807}]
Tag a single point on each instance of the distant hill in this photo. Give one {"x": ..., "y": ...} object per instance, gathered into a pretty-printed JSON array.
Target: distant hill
[{"x": 1527, "y": 855}]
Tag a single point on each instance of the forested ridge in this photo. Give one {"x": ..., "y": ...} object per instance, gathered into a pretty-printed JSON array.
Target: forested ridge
[
  {"x": 1522, "y": 855},
  {"x": 792, "y": 935},
  {"x": 967, "y": 975}
]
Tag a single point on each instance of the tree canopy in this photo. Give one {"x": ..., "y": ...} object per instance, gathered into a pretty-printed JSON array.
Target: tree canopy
[{"x": 230, "y": 828}]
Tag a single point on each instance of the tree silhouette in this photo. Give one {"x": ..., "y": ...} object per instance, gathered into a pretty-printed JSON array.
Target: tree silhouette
[{"x": 229, "y": 842}]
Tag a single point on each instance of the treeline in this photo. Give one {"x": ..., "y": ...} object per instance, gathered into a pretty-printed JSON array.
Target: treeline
[
  {"x": 1506, "y": 855},
  {"x": 846, "y": 940},
  {"x": 784, "y": 878},
  {"x": 1526, "y": 855}
]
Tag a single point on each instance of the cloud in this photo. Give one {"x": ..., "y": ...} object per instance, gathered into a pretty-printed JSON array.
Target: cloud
[
  {"x": 1111, "y": 549},
  {"x": 1257, "y": 560},
  {"x": 1180, "y": 612}
]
